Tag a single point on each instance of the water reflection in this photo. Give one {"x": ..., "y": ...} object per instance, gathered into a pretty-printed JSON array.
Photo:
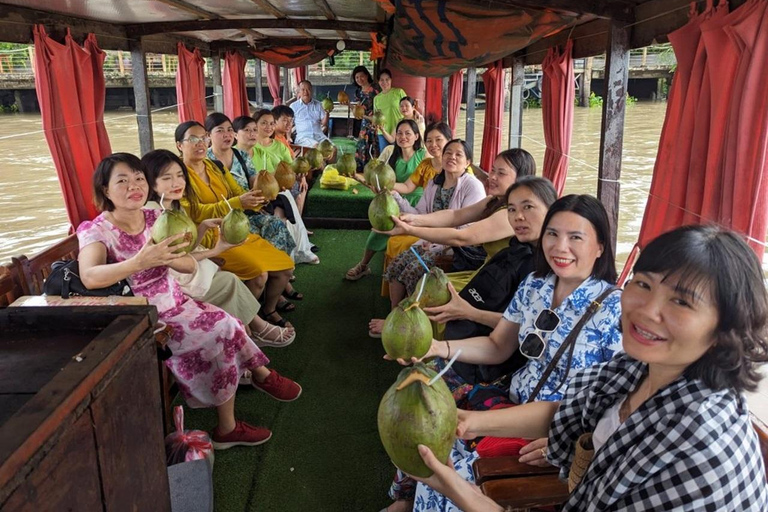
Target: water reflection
[{"x": 32, "y": 214}]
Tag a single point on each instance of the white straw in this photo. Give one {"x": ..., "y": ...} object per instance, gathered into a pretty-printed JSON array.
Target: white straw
[
  {"x": 226, "y": 201},
  {"x": 378, "y": 185},
  {"x": 162, "y": 196},
  {"x": 447, "y": 367},
  {"x": 421, "y": 290}
]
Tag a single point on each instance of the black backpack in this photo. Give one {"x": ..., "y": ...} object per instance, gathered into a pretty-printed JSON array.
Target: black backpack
[{"x": 492, "y": 289}]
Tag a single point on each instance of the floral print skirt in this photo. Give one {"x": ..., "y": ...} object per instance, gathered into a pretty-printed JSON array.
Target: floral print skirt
[{"x": 273, "y": 230}]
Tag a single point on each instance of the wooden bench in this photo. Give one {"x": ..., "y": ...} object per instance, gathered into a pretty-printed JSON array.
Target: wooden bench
[
  {"x": 522, "y": 487},
  {"x": 25, "y": 276}
]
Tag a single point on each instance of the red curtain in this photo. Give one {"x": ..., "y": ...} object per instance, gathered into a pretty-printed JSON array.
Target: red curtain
[
  {"x": 434, "y": 107},
  {"x": 69, "y": 81},
  {"x": 299, "y": 74},
  {"x": 557, "y": 103},
  {"x": 235, "y": 94},
  {"x": 273, "y": 82},
  {"x": 190, "y": 85},
  {"x": 714, "y": 145},
  {"x": 493, "y": 79},
  {"x": 455, "y": 90}
]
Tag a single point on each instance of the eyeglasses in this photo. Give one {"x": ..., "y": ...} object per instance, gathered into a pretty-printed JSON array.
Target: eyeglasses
[
  {"x": 533, "y": 345},
  {"x": 197, "y": 140}
]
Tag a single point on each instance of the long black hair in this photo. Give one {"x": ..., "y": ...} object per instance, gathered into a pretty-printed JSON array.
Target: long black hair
[
  {"x": 590, "y": 208},
  {"x": 182, "y": 128},
  {"x": 361, "y": 69},
  {"x": 398, "y": 151},
  {"x": 524, "y": 165},
  {"x": 215, "y": 119}
]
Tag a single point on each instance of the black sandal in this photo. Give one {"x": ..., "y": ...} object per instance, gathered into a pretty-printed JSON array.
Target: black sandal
[
  {"x": 281, "y": 323},
  {"x": 294, "y": 295},
  {"x": 285, "y": 307}
]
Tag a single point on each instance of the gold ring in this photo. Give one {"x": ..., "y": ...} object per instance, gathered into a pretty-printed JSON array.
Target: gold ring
[{"x": 543, "y": 452}]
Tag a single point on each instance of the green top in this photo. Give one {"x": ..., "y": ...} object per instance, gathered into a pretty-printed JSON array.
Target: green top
[
  {"x": 389, "y": 104},
  {"x": 271, "y": 156}
]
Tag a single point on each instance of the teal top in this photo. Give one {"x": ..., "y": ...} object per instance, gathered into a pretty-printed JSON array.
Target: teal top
[
  {"x": 389, "y": 104},
  {"x": 376, "y": 241},
  {"x": 267, "y": 157}
]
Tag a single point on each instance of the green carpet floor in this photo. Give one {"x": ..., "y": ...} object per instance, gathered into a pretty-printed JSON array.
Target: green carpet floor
[
  {"x": 325, "y": 453},
  {"x": 338, "y": 204}
]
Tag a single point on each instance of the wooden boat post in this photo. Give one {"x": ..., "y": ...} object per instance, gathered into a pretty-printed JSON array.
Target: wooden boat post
[
  {"x": 259, "y": 92},
  {"x": 218, "y": 98},
  {"x": 516, "y": 103},
  {"x": 471, "y": 88},
  {"x": 141, "y": 94},
  {"x": 612, "y": 133}
]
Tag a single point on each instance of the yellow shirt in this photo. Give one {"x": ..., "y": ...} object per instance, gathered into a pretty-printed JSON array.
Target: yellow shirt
[{"x": 425, "y": 172}]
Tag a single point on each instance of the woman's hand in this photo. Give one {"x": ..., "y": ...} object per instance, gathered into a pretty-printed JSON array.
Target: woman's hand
[
  {"x": 303, "y": 186},
  {"x": 209, "y": 224},
  {"x": 456, "y": 309},
  {"x": 158, "y": 255},
  {"x": 434, "y": 351},
  {"x": 535, "y": 453},
  {"x": 412, "y": 219},
  {"x": 252, "y": 199},
  {"x": 401, "y": 228},
  {"x": 467, "y": 426}
]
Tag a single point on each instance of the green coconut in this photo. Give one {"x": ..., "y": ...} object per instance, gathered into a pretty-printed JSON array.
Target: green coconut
[
  {"x": 369, "y": 168},
  {"x": 347, "y": 165},
  {"x": 407, "y": 331},
  {"x": 174, "y": 222},
  {"x": 267, "y": 184},
  {"x": 235, "y": 227},
  {"x": 325, "y": 147},
  {"x": 379, "y": 118},
  {"x": 380, "y": 211},
  {"x": 315, "y": 159},
  {"x": 383, "y": 177},
  {"x": 413, "y": 413},
  {"x": 327, "y": 104},
  {"x": 435, "y": 291},
  {"x": 300, "y": 165}
]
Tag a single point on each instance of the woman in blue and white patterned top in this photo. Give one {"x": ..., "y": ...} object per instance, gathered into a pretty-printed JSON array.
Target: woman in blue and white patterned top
[
  {"x": 574, "y": 266},
  {"x": 668, "y": 419}
]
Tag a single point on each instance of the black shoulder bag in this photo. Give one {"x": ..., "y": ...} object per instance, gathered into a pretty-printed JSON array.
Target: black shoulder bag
[{"x": 64, "y": 280}]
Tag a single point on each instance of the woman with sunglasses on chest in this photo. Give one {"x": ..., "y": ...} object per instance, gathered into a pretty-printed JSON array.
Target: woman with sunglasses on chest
[{"x": 574, "y": 268}]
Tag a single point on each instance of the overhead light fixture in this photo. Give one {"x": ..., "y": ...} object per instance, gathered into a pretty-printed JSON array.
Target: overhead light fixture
[{"x": 340, "y": 45}]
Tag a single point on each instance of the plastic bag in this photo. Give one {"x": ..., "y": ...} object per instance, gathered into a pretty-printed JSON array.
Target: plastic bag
[{"x": 185, "y": 445}]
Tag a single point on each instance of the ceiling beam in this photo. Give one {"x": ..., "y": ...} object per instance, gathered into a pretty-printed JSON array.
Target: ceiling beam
[
  {"x": 277, "y": 13},
  {"x": 619, "y": 10},
  {"x": 209, "y": 15},
  {"x": 281, "y": 42},
  {"x": 143, "y": 29},
  {"x": 328, "y": 13}
]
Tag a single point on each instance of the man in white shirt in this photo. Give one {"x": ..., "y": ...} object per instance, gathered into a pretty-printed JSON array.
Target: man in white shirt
[{"x": 310, "y": 118}]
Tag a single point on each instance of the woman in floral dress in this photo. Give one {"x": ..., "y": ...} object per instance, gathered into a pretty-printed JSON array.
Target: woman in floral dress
[
  {"x": 210, "y": 348},
  {"x": 367, "y": 141}
]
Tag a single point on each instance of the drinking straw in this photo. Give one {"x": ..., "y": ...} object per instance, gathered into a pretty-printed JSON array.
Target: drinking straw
[
  {"x": 419, "y": 258},
  {"x": 447, "y": 367},
  {"x": 227, "y": 201}
]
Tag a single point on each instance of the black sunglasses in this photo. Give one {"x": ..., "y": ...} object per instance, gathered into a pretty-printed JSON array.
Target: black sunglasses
[{"x": 534, "y": 345}]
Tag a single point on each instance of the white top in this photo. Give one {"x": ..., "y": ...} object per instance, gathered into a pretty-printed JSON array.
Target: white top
[
  {"x": 608, "y": 424},
  {"x": 308, "y": 119}
]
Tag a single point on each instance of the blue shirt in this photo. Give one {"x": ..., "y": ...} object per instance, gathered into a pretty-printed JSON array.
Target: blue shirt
[{"x": 598, "y": 340}]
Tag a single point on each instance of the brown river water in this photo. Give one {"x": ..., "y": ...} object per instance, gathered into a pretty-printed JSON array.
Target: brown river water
[{"x": 32, "y": 214}]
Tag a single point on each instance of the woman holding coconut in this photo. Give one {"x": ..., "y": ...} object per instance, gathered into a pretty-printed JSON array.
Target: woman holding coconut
[
  {"x": 574, "y": 268},
  {"x": 668, "y": 419},
  {"x": 367, "y": 141},
  {"x": 407, "y": 155},
  {"x": 210, "y": 348},
  {"x": 168, "y": 181},
  {"x": 263, "y": 267}
]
